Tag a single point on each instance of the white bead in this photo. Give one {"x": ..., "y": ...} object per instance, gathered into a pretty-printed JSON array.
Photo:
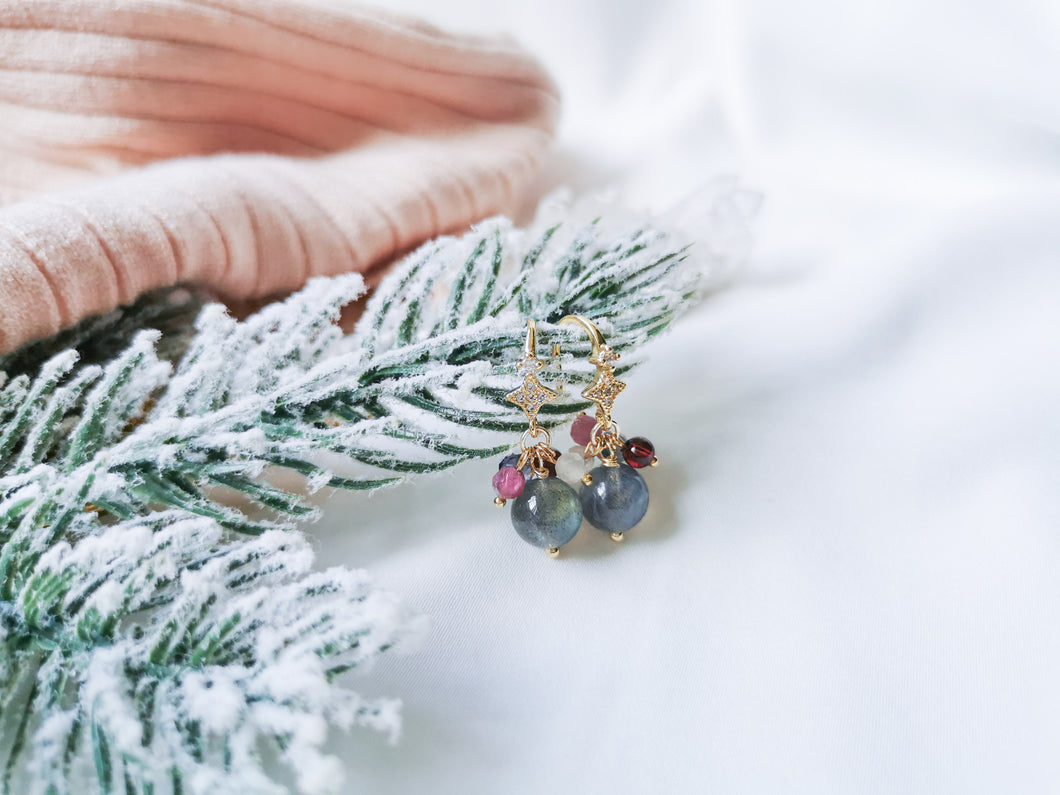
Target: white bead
[{"x": 571, "y": 466}]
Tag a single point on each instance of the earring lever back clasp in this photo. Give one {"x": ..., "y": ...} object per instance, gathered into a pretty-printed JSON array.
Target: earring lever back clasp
[{"x": 603, "y": 391}]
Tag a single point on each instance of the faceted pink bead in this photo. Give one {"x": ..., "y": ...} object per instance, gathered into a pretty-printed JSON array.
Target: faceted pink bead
[
  {"x": 582, "y": 429},
  {"x": 508, "y": 483}
]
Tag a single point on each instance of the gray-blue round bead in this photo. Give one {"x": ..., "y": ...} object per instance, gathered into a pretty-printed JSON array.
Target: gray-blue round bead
[
  {"x": 547, "y": 513},
  {"x": 616, "y": 500}
]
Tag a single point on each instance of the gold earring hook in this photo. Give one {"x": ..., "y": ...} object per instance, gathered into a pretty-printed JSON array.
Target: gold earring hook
[
  {"x": 595, "y": 337},
  {"x": 531, "y": 338}
]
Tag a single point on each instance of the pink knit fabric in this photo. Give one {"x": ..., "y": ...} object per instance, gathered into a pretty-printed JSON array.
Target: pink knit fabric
[{"x": 243, "y": 144}]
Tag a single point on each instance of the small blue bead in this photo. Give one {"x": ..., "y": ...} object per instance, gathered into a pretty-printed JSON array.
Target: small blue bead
[
  {"x": 547, "y": 513},
  {"x": 616, "y": 500},
  {"x": 512, "y": 460}
]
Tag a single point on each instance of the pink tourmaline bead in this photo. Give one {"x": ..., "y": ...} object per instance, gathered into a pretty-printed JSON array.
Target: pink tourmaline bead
[
  {"x": 582, "y": 429},
  {"x": 508, "y": 483}
]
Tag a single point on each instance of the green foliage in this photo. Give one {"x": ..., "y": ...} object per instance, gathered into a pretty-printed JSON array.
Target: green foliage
[{"x": 160, "y": 617}]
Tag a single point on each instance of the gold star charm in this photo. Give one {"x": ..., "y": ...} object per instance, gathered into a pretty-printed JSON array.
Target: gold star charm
[
  {"x": 603, "y": 391},
  {"x": 532, "y": 395}
]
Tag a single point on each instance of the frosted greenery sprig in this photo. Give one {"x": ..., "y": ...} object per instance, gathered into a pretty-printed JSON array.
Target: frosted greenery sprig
[{"x": 160, "y": 617}]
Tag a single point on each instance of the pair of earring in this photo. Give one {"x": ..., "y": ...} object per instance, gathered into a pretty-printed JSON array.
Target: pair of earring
[{"x": 613, "y": 497}]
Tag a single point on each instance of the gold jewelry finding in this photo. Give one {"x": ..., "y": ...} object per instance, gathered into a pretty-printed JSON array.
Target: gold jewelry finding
[
  {"x": 546, "y": 511},
  {"x": 530, "y": 397},
  {"x": 605, "y": 441},
  {"x": 614, "y": 497}
]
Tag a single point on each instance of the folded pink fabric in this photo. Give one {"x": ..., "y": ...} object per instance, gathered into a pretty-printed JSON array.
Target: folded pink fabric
[{"x": 243, "y": 144}]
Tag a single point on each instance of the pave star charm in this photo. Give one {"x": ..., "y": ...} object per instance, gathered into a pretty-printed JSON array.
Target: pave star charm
[
  {"x": 604, "y": 391},
  {"x": 531, "y": 396}
]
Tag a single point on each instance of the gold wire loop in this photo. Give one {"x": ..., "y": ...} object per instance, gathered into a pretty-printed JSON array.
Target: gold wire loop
[
  {"x": 539, "y": 455},
  {"x": 601, "y": 435},
  {"x": 613, "y": 429},
  {"x": 605, "y": 440},
  {"x": 532, "y": 433}
]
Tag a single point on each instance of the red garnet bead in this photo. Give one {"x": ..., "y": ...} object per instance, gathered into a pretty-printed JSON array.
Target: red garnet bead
[
  {"x": 582, "y": 430},
  {"x": 638, "y": 452}
]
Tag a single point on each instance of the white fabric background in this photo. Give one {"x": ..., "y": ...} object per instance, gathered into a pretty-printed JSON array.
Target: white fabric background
[{"x": 849, "y": 579}]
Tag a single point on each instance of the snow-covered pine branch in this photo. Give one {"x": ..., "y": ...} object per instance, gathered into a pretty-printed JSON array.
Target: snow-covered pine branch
[{"x": 154, "y": 630}]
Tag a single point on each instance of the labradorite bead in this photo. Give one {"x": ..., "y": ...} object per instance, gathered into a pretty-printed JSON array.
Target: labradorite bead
[
  {"x": 616, "y": 500},
  {"x": 547, "y": 513}
]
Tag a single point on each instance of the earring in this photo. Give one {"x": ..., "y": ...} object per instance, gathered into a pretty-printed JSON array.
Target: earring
[
  {"x": 545, "y": 511},
  {"x": 614, "y": 497}
]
